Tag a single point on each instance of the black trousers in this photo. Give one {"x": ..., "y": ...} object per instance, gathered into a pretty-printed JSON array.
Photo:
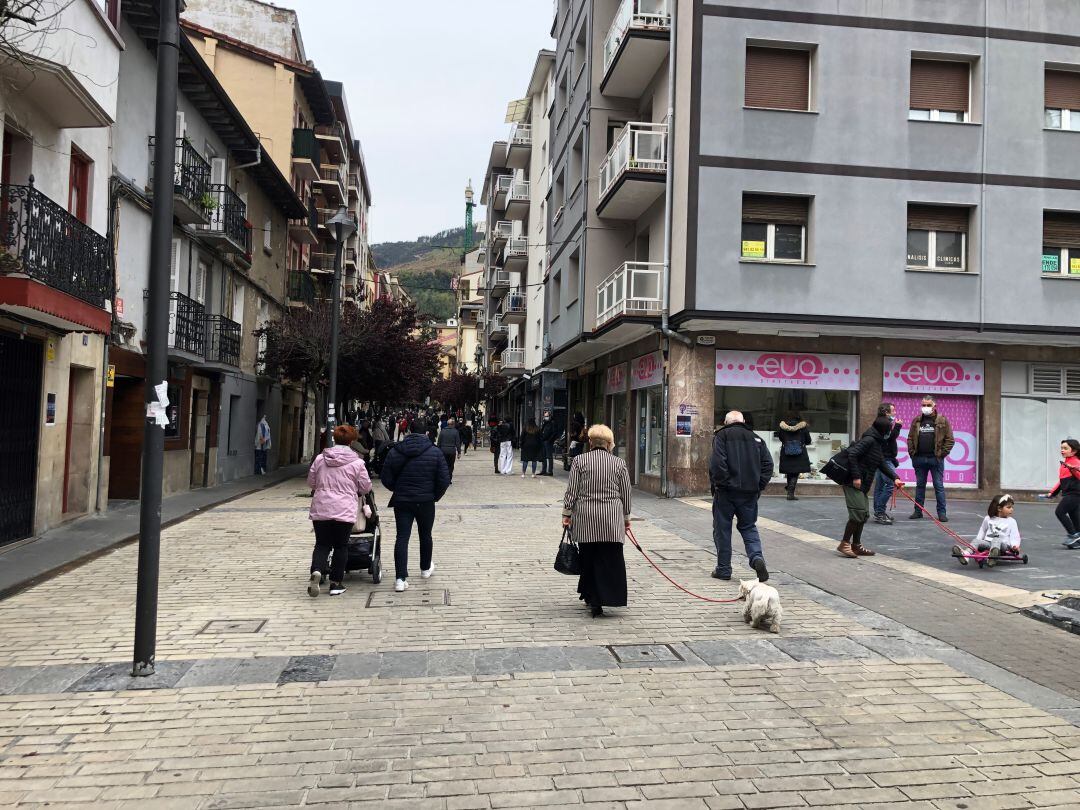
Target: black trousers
[
  {"x": 404, "y": 515},
  {"x": 331, "y": 535},
  {"x": 451, "y": 458},
  {"x": 1068, "y": 512}
]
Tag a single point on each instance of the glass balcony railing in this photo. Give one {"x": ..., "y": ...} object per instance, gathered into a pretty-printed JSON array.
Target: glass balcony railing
[
  {"x": 639, "y": 147},
  {"x": 649, "y": 15},
  {"x": 633, "y": 289}
]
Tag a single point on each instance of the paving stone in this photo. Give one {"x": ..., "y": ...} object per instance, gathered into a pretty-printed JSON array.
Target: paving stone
[
  {"x": 116, "y": 677},
  {"x": 260, "y": 670},
  {"x": 209, "y": 672},
  {"x": 56, "y": 678},
  {"x": 727, "y": 653},
  {"x": 355, "y": 666}
]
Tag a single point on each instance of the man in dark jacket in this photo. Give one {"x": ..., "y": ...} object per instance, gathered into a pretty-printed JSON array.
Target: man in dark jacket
[
  {"x": 416, "y": 472},
  {"x": 883, "y": 484},
  {"x": 450, "y": 443},
  {"x": 930, "y": 440},
  {"x": 740, "y": 469},
  {"x": 548, "y": 434},
  {"x": 865, "y": 458}
]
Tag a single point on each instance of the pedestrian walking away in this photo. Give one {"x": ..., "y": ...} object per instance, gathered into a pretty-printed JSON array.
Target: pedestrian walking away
[
  {"x": 262, "y": 446},
  {"x": 532, "y": 447},
  {"x": 549, "y": 432},
  {"x": 505, "y": 436},
  {"x": 883, "y": 484},
  {"x": 864, "y": 458},
  {"x": 337, "y": 477},
  {"x": 596, "y": 509},
  {"x": 379, "y": 436},
  {"x": 1068, "y": 487},
  {"x": 450, "y": 444},
  {"x": 466, "y": 437},
  {"x": 794, "y": 436},
  {"x": 493, "y": 446},
  {"x": 739, "y": 471},
  {"x": 929, "y": 441},
  {"x": 417, "y": 474}
]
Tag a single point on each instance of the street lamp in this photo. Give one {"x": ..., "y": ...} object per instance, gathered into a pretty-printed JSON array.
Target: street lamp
[{"x": 343, "y": 227}]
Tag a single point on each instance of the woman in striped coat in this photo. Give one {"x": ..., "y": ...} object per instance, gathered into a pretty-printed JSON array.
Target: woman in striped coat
[{"x": 597, "y": 510}]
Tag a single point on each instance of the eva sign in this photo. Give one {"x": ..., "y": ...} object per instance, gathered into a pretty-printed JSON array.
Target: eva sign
[
  {"x": 616, "y": 380},
  {"x": 913, "y": 375},
  {"x": 647, "y": 371},
  {"x": 831, "y": 372}
]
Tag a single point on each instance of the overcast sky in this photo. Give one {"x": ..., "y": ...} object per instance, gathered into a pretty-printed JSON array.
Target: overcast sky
[{"x": 427, "y": 83}]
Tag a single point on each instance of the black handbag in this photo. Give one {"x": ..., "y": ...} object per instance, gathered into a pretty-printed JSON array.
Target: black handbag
[
  {"x": 836, "y": 469},
  {"x": 568, "y": 559}
]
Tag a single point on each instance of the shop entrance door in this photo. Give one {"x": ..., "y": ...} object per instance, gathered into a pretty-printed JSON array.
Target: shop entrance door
[
  {"x": 617, "y": 419},
  {"x": 20, "y": 404},
  {"x": 200, "y": 437},
  {"x": 126, "y": 438}
]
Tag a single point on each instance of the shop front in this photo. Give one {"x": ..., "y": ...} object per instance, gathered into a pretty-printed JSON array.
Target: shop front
[
  {"x": 618, "y": 407},
  {"x": 957, "y": 387},
  {"x": 1040, "y": 406},
  {"x": 771, "y": 386},
  {"x": 647, "y": 385}
]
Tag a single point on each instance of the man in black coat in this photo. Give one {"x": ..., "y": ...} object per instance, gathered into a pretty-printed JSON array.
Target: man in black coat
[
  {"x": 416, "y": 472},
  {"x": 548, "y": 433},
  {"x": 865, "y": 458},
  {"x": 740, "y": 469}
]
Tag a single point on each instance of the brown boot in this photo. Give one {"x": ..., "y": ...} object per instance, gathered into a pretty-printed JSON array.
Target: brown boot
[
  {"x": 844, "y": 549},
  {"x": 859, "y": 550}
]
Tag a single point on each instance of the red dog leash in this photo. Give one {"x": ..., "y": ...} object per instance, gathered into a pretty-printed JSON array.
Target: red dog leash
[
  {"x": 960, "y": 540},
  {"x": 637, "y": 545}
]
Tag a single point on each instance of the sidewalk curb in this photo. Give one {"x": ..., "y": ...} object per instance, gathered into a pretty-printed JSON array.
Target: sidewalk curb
[{"x": 120, "y": 542}]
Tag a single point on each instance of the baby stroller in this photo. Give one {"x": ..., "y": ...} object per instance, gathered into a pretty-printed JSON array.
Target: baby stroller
[{"x": 365, "y": 542}]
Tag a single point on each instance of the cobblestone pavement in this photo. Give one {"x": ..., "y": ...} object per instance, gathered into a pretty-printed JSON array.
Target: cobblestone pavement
[{"x": 489, "y": 686}]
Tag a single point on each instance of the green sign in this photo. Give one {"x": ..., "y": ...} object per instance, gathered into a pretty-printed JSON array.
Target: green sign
[{"x": 1051, "y": 263}]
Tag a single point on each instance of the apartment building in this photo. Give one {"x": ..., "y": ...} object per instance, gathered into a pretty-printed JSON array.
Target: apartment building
[
  {"x": 228, "y": 276},
  {"x": 58, "y": 99},
  {"x": 866, "y": 205},
  {"x": 470, "y": 309},
  {"x": 516, "y": 187}
]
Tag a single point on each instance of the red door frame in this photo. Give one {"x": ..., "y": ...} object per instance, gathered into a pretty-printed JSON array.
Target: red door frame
[{"x": 78, "y": 185}]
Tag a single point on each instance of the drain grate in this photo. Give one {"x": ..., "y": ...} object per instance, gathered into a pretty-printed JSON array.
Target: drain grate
[
  {"x": 645, "y": 653},
  {"x": 411, "y": 598},
  {"x": 227, "y": 626}
]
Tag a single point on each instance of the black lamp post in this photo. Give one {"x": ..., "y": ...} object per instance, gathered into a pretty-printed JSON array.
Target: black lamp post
[{"x": 343, "y": 227}]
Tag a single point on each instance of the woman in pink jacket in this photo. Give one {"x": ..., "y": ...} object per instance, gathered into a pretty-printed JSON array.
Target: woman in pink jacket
[{"x": 337, "y": 478}]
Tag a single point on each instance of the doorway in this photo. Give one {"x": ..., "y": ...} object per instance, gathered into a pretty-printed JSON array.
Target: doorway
[
  {"x": 79, "y": 456},
  {"x": 200, "y": 437},
  {"x": 126, "y": 438},
  {"x": 20, "y": 413}
]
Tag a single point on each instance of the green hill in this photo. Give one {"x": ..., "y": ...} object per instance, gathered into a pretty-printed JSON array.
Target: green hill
[{"x": 426, "y": 267}]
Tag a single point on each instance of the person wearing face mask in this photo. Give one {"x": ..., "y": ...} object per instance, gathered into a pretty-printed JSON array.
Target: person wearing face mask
[
  {"x": 883, "y": 484},
  {"x": 866, "y": 458},
  {"x": 929, "y": 442}
]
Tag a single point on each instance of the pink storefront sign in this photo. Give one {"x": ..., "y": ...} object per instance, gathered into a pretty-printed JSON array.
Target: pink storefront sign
[
  {"x": 915, "y": 375},
  {"x": 961, "y": 467},
  {"x": 647, "y": 371},
  {"x": 831, "y": 372},
  {"x": 616, "y": 380}
]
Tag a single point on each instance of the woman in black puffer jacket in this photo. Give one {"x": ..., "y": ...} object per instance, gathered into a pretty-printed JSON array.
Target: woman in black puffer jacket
[{"x": 865, "y": 458}]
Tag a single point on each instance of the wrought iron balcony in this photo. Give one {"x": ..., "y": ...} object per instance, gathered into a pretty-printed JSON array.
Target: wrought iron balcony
[
  {"x": 222, "y": 340},
  {"x": 191, "y": 183},
  {"x": 187, "y": 332},
  {"x": 44, "y": 242},
  {"x": 228, "y": 226},
  {"x": 301, "y": 288},
  {"x": 633, "y": 289}
]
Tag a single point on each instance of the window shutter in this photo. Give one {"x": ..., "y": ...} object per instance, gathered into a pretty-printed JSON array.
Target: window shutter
[
  {"x": 217, "y": 171},
  {"x": 938, "y": 218},
  {"x": 777, "y": 78},
  {"x": 1072, "y": 381},
  {"x": 1061, "y": 230},
  {"x": 775, "y": 209},
  {"x": 181, "y": 125},
  {"x": 174, "y": 266},
  {"x": 238, "y": 304},
  {"x": 1063, "y": 89},
  {"x": 938, "y": 85},
  {"x": 1046, "y": 379}
]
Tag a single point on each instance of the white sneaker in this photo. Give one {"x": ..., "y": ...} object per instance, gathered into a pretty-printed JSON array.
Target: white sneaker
[
  {"x": 534, "y": 475},
  {"x": 401, "y": 585},
  {"x": 523, "y": 475},
  {"x": 427, "y": 574}
]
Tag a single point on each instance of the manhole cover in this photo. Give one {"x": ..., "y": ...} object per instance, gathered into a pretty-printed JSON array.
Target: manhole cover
[
  {"x": 410, "y": 598},
  {"x": 644, "y": 653},
  {"x": 220, "y": 626}
]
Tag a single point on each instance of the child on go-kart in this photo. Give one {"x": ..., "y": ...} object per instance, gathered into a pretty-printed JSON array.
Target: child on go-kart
[{"x": 999, "y": 533}]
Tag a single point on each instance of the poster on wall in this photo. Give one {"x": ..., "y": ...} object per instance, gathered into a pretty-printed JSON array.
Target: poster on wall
[
  {"x": 684, "y": 425},
  {"x": 832, "y": 372},
  {"x": 616, "y": 380},
  {"x": 647, "y": 371},
  {"x": 921, "y": 375},
  {"x": 962, "y": 411}
]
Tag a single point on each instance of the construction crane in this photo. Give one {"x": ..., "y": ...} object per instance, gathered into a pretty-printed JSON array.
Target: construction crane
[{"x": 469, "y": 204}]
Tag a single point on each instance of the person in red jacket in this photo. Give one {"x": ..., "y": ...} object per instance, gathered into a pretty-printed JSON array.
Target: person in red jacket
[{"x": 1068, "y": 486}]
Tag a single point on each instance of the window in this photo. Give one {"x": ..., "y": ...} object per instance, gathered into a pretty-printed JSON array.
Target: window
[
  {"x": 112, "y": 11},
  {"x": 774, "y": 228},
  {"x": 940, "y": 90},
  {"x": 579, "y": 50},
  {"x": 465, "y": 289},
  {"x": 79, "y": 186},
  {"x": 937, "y": 237},
  {"x": 556, "y": 294},
  {"x": 559, "y": 192},
  {"x": 576, "y": 161},
  {"x": 268, "y": 232},
  {"x": 573, "y": 278},
  {"x": 777, "y": 78},
  {"x": 1062, "y": 91},
  {"x": 1061, "y": 243}
]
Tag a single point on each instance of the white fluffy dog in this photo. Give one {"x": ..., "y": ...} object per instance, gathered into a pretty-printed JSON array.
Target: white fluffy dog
[{"x": 762, "y": 605}]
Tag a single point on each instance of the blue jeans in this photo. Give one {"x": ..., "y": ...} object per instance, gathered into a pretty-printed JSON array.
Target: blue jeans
[
  {"x": 260, "y": 460},
  {"x": 525, "y": 464},
  {"x": 742, "y": 507},
  {"x": 936, "y": 467},
  {"x": 883, "y": 490}
]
